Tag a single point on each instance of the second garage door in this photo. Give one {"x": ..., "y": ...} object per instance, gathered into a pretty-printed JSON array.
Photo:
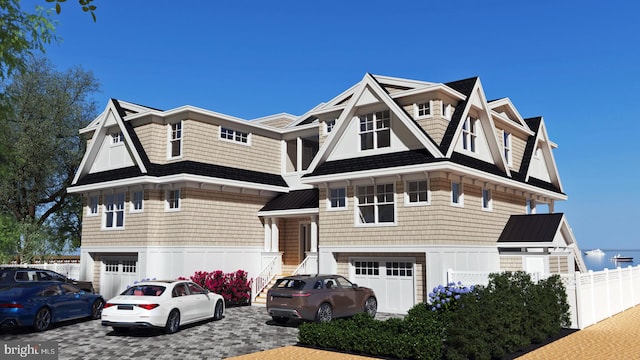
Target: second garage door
[{"x": 393, "y": 280}]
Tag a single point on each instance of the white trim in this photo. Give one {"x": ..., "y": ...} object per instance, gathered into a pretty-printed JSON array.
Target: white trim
[
  {"x": 407, "y": 201},
  {"x": 329, "y": 198},
  {"x": 416, "y": 109},
  {"x": 234, "y": 135},
  {"x": 288, "y": 213},
  {"x": 376, "y": 205},
  {"x": 170, "y": 139}
]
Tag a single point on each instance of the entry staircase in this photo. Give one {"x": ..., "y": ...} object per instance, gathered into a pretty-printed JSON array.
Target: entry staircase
[{"x": 261, "y": 299}]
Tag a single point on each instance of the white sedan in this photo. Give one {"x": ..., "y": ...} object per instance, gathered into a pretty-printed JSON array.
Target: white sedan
[{"x": 162, "y": 304}]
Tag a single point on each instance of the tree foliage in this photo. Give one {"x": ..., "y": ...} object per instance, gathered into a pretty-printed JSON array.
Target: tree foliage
[
  {"x": 42, "y": 112},
  {"x": 22, "y": 32}
]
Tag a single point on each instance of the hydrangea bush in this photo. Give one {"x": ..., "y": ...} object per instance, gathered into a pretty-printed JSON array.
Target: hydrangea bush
[{"x": 447, "y": 298}]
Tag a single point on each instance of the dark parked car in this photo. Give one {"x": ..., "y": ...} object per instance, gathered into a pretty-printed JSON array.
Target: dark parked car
[
  {"x": 318, "y": 298},
  {"x": 13, "y": 275},
  {"x": 40, "y": 304}
]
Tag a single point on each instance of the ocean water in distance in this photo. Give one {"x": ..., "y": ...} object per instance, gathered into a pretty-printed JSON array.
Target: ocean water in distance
[{"x": 597, "y": 263}]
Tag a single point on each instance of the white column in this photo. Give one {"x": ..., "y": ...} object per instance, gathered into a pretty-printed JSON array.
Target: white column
[
  {"x": 314, "y": 234},
  {"x": 275, "y": 235},
  {"x": 267, "y": 234},
  {"x": 299, "y": 154}
]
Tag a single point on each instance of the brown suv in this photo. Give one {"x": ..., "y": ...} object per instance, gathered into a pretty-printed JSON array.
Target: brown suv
[{"x": 318, "y": 298}]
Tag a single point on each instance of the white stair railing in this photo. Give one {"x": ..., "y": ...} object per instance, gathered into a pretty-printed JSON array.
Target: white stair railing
[{"x": 270, "y": 271}]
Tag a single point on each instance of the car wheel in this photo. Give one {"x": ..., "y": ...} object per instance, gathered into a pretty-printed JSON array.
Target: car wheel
[
  {"x": 217, "y": 313},
  {"x": 325, "y": 313},
  {"x": 42, "y": 321},
  {"x": 120, "y": 330},
  {"x": 173, "y": 322},
  {"x": 96, "y": 309},
  {"x": 371, "y": 306},
  {"x": 280, "y": 319}
]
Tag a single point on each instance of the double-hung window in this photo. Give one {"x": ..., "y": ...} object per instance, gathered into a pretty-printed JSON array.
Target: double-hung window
[
  {"x": 375, "y": 131},
  {"x": 114, "y": 211},
  {"x": 175, "y": 140},
  {"x": 329, "y": 125},
  {"x": 486, "y": 199},
  {"x": 417, "y": 192},
  {"x": 375, "y": 204},
  {"x": 506, "y": 142},
  {"x": 173, "y": 199},
  {"x": 469, "y": 134},
  {"x": 337, "y": 198},
  {"x": 456, "y": 194}
]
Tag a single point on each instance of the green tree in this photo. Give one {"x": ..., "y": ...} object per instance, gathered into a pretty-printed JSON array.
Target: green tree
[
  {"x": 43, "y": 110},
  {"x": 23, "y": 32}
]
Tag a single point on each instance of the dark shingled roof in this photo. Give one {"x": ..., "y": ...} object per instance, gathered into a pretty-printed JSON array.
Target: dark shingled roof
[
  {"x": 531, "y": 228},
  {"x": 186, "y": 167},
  {"x": 389, "y": 160},
  {"x": 294, "y": 200},
  {"x": 463, "y": 86},
  {"x": 180, "y": 167}
]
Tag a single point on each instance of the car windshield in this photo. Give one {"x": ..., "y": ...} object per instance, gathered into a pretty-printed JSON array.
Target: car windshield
[
  {"x": 144, "y": 290},
  {"x": 289, "y": 284}
]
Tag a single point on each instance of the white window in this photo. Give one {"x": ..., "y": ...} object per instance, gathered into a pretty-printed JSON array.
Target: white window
[
  {"x": 456, "y": 194},
  {"x": 506, "y": 142},
  {"x": 175, "y": 140},
  {"x": 417, "y": 192},
  {"x": 367, "y": 268},
  {"x": 469, "y": 134},
  {"x": 328, "y": 126},
  {"x": 487, "y": 202},
  {"x": 375, "y": 204},
  {"x": 92, "y": 205},
  {"x": 337, "y": 198},
  {"x": 137, "y": 198},
  {"x": 401, "y": 269},
  {"x": 117, "y": 138},
  {"x": 173, "y": 199},
  {"x": 375, "y": 131},
  {"x": 446, "y": 110},
  {"x": 114, "y": 211},
  {"x": 234, "y": 135},
  {"x": 422, "y": 110}
]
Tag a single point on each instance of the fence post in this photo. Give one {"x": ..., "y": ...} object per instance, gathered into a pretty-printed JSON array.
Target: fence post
[{"x": 577, "y": 306}]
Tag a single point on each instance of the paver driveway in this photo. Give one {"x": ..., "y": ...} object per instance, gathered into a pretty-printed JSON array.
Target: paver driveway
[{"x": 243, "y": 330}]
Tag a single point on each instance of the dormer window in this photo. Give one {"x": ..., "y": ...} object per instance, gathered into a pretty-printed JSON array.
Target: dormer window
[
  {"x": 375, "y": 131},
  {"x": 422, "y": 110},
  {"x": 234, "y": 135},
  {"x": 175, "y": 140},
  {"x": 447, "y": 109},
  {"x": 469, "y": 134}
]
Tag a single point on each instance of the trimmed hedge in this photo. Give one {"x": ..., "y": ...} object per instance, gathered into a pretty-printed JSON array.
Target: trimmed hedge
[{"x": 483, "y": 322}]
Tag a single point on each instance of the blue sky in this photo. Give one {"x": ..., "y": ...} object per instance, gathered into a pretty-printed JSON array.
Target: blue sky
[{"x": 575, "y": 63}]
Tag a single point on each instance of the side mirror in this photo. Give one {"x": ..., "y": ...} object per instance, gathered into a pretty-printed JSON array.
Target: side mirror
[{"x": 354, "y": 285}]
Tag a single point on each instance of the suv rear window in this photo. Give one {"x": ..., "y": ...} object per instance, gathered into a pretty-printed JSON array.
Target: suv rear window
[{"x": 289, "y": 284}]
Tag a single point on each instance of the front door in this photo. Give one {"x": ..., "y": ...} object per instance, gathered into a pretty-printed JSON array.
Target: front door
[{"x": 305, "y": 240}]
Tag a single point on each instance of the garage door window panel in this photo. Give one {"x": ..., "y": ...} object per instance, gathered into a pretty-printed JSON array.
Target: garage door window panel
[{"x": 401, "y": 269}]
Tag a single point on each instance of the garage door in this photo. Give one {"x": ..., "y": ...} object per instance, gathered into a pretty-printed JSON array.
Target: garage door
[
  {"x": 392, "y": 279},
  {"x": 116, "y": 274}
]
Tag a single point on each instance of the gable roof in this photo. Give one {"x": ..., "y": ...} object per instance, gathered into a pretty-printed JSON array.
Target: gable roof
[
  {"x": 144, "y": 167},
  {"x": 369, "y": 85}
]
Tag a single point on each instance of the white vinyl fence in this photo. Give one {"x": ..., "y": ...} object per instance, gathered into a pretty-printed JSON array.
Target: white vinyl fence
[
  {"x": 70, "y": 270},
  {"x": 592, "y": 296}
]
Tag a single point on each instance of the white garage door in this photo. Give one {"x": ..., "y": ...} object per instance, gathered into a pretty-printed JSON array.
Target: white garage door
[
  {"x": 393, "y": 280},
  {"x": 116, "y": 274}
]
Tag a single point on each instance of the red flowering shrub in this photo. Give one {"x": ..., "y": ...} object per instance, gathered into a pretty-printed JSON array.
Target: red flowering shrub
[{"x": 234, "y": 287}]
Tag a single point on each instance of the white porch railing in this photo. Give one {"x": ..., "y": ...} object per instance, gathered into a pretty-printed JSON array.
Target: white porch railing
[
  {"x": 70, "y": 270},
  {"x": 273, "y": 268},
  {"x": 592, "y": 296},
  {"x": 308, "y": 266}
]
